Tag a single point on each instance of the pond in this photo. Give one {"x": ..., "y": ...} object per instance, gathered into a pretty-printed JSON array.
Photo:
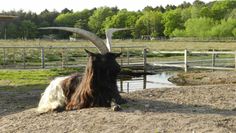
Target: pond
[{"x": 158, "y": 80}]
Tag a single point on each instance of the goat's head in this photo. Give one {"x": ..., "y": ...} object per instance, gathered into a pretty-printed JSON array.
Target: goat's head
[{"x": 105, "y": 64}]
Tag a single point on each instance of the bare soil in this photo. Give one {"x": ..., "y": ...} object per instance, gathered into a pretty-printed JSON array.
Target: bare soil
[
  {"x": 204, "y": 78},
  {"x": 187, "y": 109}
]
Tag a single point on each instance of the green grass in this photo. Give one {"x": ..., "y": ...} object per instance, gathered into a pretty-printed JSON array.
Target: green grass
[
  {"x": 152, "y": 45},
  {"x": 24, "y": 80},
  {"x": 28, "y": 79}
]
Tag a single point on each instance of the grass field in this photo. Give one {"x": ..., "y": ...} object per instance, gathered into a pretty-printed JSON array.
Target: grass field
[
  {"x": 23, "y": 80},
  {"x": 152, "y": 45}
]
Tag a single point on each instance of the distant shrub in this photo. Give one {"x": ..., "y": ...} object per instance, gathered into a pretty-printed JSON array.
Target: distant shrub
[
  {"x": 224, "y": 29},
  {"x": 234, "y": 32}
]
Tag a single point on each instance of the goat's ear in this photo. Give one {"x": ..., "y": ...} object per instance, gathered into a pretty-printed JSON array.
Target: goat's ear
[
  {"x": 118, "y": 54},
  {"x": 88, "y": 52}
]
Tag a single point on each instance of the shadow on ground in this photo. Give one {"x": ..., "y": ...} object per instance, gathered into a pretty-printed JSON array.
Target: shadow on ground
[{"x": 145, "y": 105}]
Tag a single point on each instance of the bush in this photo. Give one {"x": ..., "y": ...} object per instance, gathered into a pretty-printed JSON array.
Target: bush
[
  {"x": 234, "y": 32},
  {"x": 199, "y": 27},
  {"x": 224, "y": 29}
]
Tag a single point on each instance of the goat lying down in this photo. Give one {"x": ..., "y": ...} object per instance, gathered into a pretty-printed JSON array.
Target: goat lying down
[{"x": 96, "y": 88}]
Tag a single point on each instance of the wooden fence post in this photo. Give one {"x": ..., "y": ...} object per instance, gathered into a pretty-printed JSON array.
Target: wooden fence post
[
  {"x": 121, "y": 57},
  {"x": 213, "y": 59},
  {"x": 144, "y": 68},
  {"x": 185, "y": 60},
  {"x": 128, "y": 57},
  {"x": 4, "y": 57},
  {"x": 14, "y": 58},
  {"x": 63, "y": 58},
  {"x": 144, "y": 60},
  {"x": 121, "y": 85},
  {"x": 127, "y": 87},
  {"x": 42, "y": 57},
  {"x": 144, "y": 81},
  {"x": 24, "y": 57},
  {"x": 62, "y": 54}
]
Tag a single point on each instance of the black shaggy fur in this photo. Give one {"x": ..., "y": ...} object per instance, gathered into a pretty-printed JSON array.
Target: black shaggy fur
[{"x": 98, "y": 86}]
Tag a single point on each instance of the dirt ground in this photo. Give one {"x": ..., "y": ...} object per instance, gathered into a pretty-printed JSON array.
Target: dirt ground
[
  {"x": 204, "y": 78},
  {"x": 203, "y": 108}
]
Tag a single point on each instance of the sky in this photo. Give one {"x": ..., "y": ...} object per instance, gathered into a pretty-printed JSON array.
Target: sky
[{"x": 78, "y": 5}]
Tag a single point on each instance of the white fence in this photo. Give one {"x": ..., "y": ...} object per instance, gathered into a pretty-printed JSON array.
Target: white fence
[{"x": 185, "y": 64}]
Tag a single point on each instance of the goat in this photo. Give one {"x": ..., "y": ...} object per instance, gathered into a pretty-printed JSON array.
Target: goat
[{"x": 96, "y": 88}]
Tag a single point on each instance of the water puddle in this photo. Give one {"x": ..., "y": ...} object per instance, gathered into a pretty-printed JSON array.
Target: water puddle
[{"x": 157, "y": 80}]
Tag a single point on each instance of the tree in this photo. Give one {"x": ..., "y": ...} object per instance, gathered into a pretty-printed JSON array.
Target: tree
[
  {"x": 179, "y": 33},
  {"x": 47, "y": 16},
  {"x": 148, "y": 9},
  {"x": 224, "y": 29},
  {"x": 28, "y": 29},
  {"x": 172, "y": 20},
  {"x": 150, "y": 23},
  {"x": 232, "y": 14},
  {"x": 122, "y": 19},
  {"x": 186, "y": 14},
  {"x": 46, "y": 19},
  {"x": 96, "y": 20},
  {"x": 205, "y": 12},
  {"x": 199, "y": 9},
  {"x": 12, "y": 31},
  {"x": 160, "y": 9},
  {"x": 184, "y": 5},
  {"x": 68, "y": 19},
  {"x": 234, "y": 32},
  {"x": 198, "y": 3},
  {"x": 83, "y": 18},
  {"x": 183, "y": 20},
  {"x": 66, "y": 10},
  {"x": 198, "y": 27},
  {"x": 170, "y": 7},
  {"x": 220, "y": 9}
]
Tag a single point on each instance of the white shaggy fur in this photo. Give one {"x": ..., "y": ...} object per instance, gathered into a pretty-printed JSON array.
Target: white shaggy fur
[{"x": 53, "y": 97}]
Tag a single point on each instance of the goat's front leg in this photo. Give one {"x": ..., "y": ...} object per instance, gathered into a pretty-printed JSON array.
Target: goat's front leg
[{"x": 117, "y": 97}]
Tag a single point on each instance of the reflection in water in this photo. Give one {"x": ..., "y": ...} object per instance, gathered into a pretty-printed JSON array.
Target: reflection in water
[{"x": 158, "y": 80}]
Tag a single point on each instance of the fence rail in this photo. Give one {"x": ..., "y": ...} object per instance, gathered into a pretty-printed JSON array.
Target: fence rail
[
  {"x": 186, "y": 63},
  {"x": 58, "y": 56}
]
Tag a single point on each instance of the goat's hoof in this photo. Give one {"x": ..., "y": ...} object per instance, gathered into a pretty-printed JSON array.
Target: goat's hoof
[{"x": 116, "y": 108}]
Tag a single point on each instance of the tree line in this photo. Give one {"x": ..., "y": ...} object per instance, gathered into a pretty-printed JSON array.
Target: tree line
[{"x": 197, "y": 19}]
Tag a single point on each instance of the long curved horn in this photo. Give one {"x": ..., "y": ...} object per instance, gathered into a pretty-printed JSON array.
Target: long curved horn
[
  {"x": 109, "y": 33},
  {"x": 98, "y": 42}
]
